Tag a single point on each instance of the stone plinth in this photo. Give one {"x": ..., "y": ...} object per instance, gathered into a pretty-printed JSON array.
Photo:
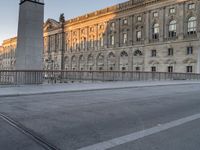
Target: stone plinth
[{"x": 30, "y": 36}]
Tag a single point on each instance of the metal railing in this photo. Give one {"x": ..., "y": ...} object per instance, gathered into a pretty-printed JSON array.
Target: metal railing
[{"x": 15, "y": 77}]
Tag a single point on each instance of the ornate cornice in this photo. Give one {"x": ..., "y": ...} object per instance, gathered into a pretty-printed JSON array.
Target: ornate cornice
[{"x": 115, "y": 9}]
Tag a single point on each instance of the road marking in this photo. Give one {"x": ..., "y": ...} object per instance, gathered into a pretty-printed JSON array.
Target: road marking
[
  {"x": 27, "y": 132},
  {"x": 140, "y": 134}
]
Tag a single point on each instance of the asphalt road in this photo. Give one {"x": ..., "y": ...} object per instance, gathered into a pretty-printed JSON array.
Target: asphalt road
[{"x": 76, "y": 120}]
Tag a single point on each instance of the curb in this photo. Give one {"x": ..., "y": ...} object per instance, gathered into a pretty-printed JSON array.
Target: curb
[{"x": 97, "y": 89}]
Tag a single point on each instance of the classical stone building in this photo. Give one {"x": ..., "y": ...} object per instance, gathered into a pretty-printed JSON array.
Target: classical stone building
[
  {"x": 137, "y": 35},
  {"x": 7, "y": 54},
  {"x": 1, "y": 56}
]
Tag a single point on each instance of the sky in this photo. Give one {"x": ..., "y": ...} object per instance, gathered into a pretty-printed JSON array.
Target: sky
[{"x": 53, "y": 8}]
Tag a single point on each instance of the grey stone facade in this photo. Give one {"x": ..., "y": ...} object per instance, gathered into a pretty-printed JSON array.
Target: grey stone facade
[
  {"x": 137, "y": 35},
  {"x": 123, "y": 37}
]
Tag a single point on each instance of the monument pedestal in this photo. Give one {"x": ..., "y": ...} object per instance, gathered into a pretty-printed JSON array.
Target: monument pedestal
[
  {"x": 30, "y": 40},
  {"x": 29, "y": 77}
]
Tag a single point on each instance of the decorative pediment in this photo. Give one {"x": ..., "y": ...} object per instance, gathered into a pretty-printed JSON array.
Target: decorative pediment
[
  {"x": 51, "y": 24},
  {"x": 189, "y": 61},
  {"x": 153, "y": 62},
  {"x": 170, "y": 61},
  {"x": 138, "y": 63}
]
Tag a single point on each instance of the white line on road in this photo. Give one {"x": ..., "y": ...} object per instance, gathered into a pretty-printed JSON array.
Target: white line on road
[{"x": 140, "y": 134}]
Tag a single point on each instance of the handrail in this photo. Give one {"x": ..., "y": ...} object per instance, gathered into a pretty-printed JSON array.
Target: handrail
[{"x": 13, "y": 77}]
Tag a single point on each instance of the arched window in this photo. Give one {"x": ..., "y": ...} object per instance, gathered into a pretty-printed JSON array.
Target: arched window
[
  {"x": 155, "y": 30},
  {"x": 100, "y": 59},
  {"x": 90, "y": 59},
  {"x": 73, "y": 59},
  {"x": 138, "y": 53},
  {"x": 81, "y": 59},
  {"x": 172, "y": 28},
  {"x": 192, "y": 25},
  {"x": 124, "y": 54}
]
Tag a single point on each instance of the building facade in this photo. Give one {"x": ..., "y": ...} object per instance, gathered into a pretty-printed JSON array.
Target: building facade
[
  {"x": 137, "y": 35},
  {"x": 7, "y": 54}
]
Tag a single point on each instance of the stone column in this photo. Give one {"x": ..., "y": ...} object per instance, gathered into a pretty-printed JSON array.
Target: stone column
[
  {"x": 181, "y": 17},
  {"x": 198, "y": 60},
  {"x": 147, "y": 27},
  {"x": 162, "y": 24},
  {"x": 130, "y": 31},
  {"x": 165, "y": 30},
  {"x": 118, "y": 33}
]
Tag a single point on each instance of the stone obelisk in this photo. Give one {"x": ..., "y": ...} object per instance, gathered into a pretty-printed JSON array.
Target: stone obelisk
[{"x": 30, "y": 37}]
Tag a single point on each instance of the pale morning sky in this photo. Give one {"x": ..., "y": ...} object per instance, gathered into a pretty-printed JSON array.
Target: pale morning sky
[{"x": 53, "y": 8}]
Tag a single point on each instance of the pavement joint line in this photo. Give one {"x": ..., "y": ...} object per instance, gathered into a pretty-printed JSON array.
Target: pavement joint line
[
  {"x": 140, "y": 134},
  {"x": 96, "y": 89},
  {"x": 27, "y": 132}
]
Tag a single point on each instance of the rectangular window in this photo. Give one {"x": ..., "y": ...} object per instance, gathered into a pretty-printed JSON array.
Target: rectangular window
[
  {"x": 189, "y": 69},
  {"x": 74, "y": 33},
  {"x": 84, "y": 43},
  {"x": 138, "y": 35},
  {"x": 92, "y": 42},
  {"x": 83, "y": 31},
  {"x": 170, "y": 51},
  {"x": 91, "y": 29},
  {"x": 125, "y": 38},
  {"x": 155, "y": 14},
  {"x": 112, "y": 26},
  {"x": 191, "y": 6},
  {"x": 139, "y": 18},
  {"x": 137, "y": 68},
  {"x": 101, "y": 27},
  {"x": 189, "y": 50},
  {"x": 155, "y": 36},
  {"x": 112, "y": 40},
  {"x": 170, "y": 69},
  {"x": 101, "y": 42},
  {"x": 172, "y": 10},
  {"x": 125, "y": 22},
  {"x": 153, "y": 53},
  {"x": 153, "y": 69}
]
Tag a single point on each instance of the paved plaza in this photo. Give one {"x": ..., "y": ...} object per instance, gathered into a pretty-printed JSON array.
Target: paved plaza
[{"x": 154, "y": 117}]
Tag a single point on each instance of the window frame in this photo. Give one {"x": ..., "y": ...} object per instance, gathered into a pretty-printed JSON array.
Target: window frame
[
  {"x": 189, "y": 69},
  {"x": 125, "y": 21},
  {"x": 172, "y": 12},
  {"x": 170, "y": 69},
  {"x": 153, "y": 69},
  {"x": 191, "y": 6},
  {"x": 190, "y": 50},
  {"x": 192, "y": 25},
  {"x": 153, "y": 53},
  {"x": 155, "y": 31},
  {"x": 138, "y": 35},
  {"x": 172, "y": 29},
  {"x": 125, "y": 38},
  {"x": 155, "y": 14},
  {"x": 170, "y": 52},
  {"x": 112, "y": 40},
  {"x": 139, "y": 20}
]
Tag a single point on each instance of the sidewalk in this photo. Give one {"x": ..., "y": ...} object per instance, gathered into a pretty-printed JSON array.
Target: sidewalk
[{"x": 77, "y": 87}]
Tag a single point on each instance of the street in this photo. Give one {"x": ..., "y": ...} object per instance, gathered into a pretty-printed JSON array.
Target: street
[{"x": 79, "y": 120}]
